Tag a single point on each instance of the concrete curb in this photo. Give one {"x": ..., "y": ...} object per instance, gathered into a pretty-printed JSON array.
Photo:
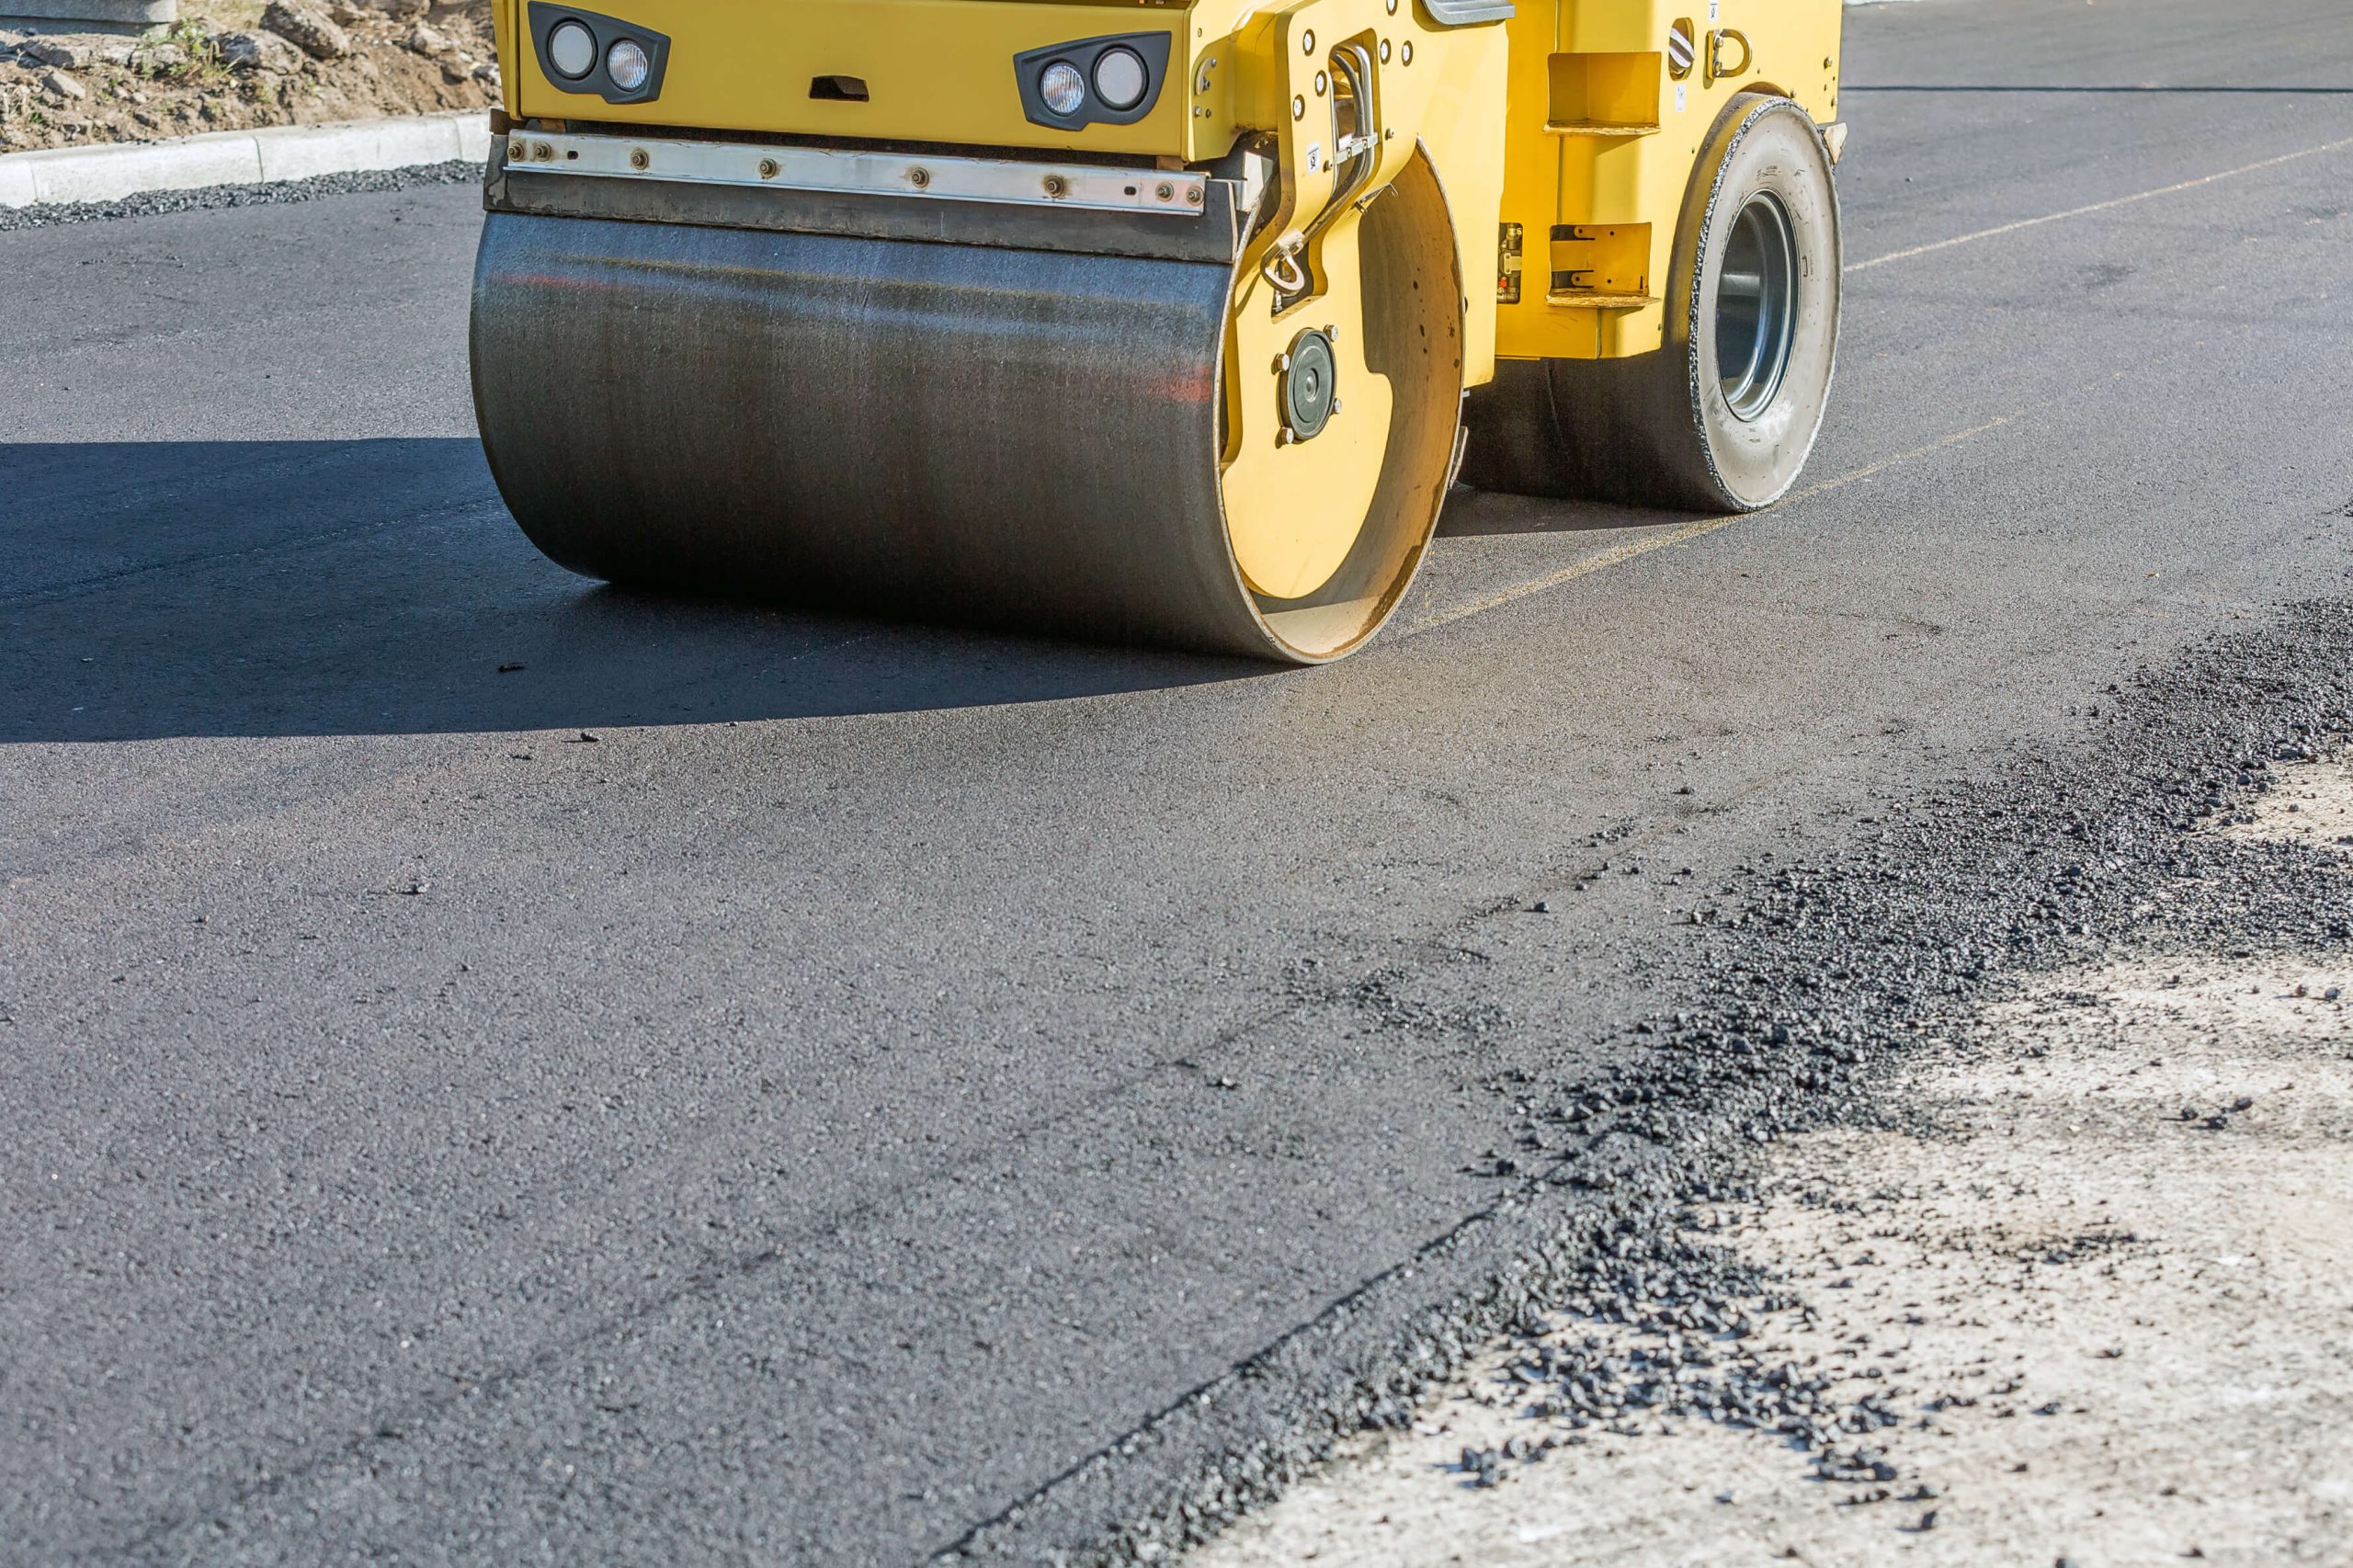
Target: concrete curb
[
  {"x": 136, "y": 13},
  {"x": 240, "y": 157}
]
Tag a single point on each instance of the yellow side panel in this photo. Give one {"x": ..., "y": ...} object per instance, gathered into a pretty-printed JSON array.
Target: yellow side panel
[
  {"x": 1465, "y": 138},
  {"x": 935, "y": 70},
  {"x": 1604, "y": 91},
  {"x": 505, "y": 26},
  {"x": 1570, "y": 63},
  {"x": 1292, "y": 508},
  {"x": 1440, "y": 89},
  {"x": 1605, "y": 258}
]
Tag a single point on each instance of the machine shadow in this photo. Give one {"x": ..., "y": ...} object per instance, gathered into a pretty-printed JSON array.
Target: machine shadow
[
  {"x": 1472, "y": 514},
  {"x": 288, "y": 588}
]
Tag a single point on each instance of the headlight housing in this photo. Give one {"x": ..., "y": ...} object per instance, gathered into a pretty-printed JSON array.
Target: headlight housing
[
  {"x": 589, "y": 53},
  {"x": 1114, "y": 80}
]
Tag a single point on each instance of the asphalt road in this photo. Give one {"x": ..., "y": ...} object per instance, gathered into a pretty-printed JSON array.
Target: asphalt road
[{"x": 886, "y": 1067}]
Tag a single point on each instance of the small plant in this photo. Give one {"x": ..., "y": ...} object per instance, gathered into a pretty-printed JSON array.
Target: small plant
[
  {"x": 197, "y": 57},
  {"x": 187, "y": 32}
]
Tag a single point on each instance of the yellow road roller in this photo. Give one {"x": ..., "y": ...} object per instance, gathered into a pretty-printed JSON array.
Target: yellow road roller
[{"x": 1153, "y": 321}]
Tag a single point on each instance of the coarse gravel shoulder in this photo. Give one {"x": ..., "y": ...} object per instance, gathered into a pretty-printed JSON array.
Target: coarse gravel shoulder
[
  {"x": 2076, "y": 1290},
  {"x": 156, "y": 203},
  {"x": 1837, "y": 1040}
]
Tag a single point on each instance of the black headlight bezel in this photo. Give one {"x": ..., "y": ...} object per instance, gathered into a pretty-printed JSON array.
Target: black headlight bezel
[
  {"x": 545, "y": 17},
  {"x": 1029, "y": 67}
]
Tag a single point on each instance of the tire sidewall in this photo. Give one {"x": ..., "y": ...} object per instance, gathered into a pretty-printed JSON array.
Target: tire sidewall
[{"x": 1767, "y": 145}]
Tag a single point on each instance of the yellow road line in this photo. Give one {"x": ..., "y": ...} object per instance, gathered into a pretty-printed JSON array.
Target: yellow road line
[
  {"x": 2099, "y": 206},
  {"x": 1691, "y": 530}
]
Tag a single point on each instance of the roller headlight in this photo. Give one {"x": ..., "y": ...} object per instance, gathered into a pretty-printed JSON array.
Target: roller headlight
[
  {"x": 1062, "y": 88},
  {"x": 626, "y": 63},
  {"x": 572, "y": 49},
  {"x": 1112, "y": 80},
  {"x": 1119, "y": 78},
  {"x": 587, "y": 53}
]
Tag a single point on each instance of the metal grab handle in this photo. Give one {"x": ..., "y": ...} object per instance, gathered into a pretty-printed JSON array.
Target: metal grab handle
[
  {"x": 1356, "y": 157},
  {"x": 1716, "y": 52},
  {"x": 1281, "y": 266}
]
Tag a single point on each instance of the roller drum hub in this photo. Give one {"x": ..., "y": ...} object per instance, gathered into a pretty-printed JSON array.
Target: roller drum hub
[{"x": 1310, "y": 385}]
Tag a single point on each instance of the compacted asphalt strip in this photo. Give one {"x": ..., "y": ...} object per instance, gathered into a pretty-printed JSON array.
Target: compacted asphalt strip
[{"x": 499, "y": 1068}]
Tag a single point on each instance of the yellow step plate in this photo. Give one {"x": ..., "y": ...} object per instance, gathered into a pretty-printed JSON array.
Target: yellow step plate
[{"x": 1581, "y": 300}]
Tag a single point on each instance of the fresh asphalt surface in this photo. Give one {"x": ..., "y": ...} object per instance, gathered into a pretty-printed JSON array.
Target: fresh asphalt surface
[{"x": 885, "y": 1067}]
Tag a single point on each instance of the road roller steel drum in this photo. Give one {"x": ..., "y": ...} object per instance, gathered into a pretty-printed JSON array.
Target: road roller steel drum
[{"x": 1150, "y": 323}]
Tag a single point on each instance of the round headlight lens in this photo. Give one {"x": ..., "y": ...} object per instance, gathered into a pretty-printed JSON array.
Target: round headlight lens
[
  {"x": 626, "y": 63},
  {"x": 1062, "y": 88},
  {"x": 1119, "y": 78},
  {"x": 572, "y": 49}
]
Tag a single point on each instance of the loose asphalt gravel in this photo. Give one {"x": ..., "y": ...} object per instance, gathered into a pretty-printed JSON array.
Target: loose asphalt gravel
[
  {"x": 503, "y": 1069},
  {"x": 2083, "y": 1301},
  {"x": 2103, "y": 1188},
  {"x": 153, "y": 203},
  {"x": 1809, "y": 984}
]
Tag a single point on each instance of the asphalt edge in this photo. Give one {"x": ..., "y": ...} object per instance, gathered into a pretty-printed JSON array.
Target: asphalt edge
[{"x": 268, "y": 156}]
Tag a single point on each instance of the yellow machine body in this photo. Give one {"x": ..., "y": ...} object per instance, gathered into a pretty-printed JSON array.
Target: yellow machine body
[
  {"x": 1568, "y": 114},
  {"x": 1551, "y": 142},
  {"x": 1603, "y": 138}
]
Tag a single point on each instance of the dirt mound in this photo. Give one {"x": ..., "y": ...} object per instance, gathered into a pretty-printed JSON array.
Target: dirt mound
[{"x": 232, "y": 68}]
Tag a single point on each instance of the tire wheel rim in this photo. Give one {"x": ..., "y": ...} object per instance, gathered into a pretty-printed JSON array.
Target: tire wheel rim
[{"x": 1755, "y": 306}]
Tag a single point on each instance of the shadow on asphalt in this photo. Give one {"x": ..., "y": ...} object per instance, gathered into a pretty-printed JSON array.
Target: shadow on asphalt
[
  {"x": 150, "y": 590},
  {"x": 1471, "y": 514}
]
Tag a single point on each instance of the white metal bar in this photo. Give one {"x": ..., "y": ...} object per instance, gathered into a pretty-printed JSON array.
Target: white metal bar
[{"x": 886, "y": 173}]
